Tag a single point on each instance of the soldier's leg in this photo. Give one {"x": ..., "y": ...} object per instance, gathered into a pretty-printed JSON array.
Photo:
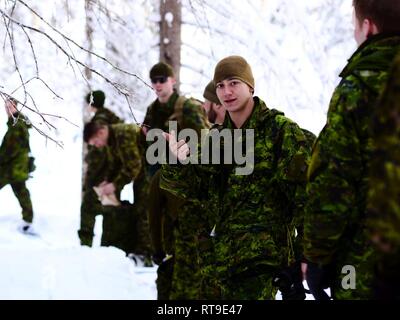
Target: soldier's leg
[
  {"x": 164, "y": 279},
  {"x": 24, "y": 199},
  {"x": 109, "y": 235},
  {"x": 186, "y": 276},
  {"x": 245, "y": 287},
  {"x": 141, "y": 196},
  {"x": 90, "y": 208}
]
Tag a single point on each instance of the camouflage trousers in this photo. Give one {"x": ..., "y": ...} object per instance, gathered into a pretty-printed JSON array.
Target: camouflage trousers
[
  {"x": 249, "y": 287},
  {"x": 140, "y": 207},
  {"x": 90, "y": 208},
  {"x": 186, "y": 279},
  {"x": 22, "y": 193}
]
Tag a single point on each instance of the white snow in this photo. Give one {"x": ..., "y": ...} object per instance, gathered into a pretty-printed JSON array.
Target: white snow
[{"x": 54, "y": 265}]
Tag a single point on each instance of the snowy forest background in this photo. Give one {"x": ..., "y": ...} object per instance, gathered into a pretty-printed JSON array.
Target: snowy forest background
[{"x": 54, "y": 51}]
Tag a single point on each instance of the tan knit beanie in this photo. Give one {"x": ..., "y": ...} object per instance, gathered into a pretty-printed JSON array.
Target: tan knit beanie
[
  {"x": 234, "y": 67},
  {"x": 210, "y": 94}
]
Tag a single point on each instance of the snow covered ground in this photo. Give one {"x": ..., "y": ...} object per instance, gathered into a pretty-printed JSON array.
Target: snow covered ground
[{"x": 54, "y": 265}]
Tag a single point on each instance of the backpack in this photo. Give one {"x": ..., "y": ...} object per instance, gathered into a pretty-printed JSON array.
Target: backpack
[{"x": 178, "y": 110}]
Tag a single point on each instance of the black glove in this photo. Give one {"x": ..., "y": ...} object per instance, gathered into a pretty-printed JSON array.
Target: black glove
[
  {"x": 158, "y": 257},
  {"x": 290, "y": 283},
  {"x": 86, "y": 238},
  {"x": 318, "y": 279}
]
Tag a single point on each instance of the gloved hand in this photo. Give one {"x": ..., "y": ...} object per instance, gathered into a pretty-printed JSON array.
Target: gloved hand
[
  {"x": 86, "y": 238},
  {"x": 318, "y": 280},
  {"x": 158, "y": 257},
  {"x": 290, "y": 282}
]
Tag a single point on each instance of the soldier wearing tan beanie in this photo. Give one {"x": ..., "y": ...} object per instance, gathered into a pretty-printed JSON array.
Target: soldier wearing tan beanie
[
  {"x": 213, "y": 107},
  {"x": 234, "y": 83},
  {"x": 253, "y": 229},
  {"x": 234, "y": 67}
]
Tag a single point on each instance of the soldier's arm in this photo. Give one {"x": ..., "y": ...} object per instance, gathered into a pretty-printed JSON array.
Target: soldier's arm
[
  {"x": 295, "y": 153},
  {"x": 383, "y": 211},
  {"x": 130, "y": 156},
  {"x": 332, "y": 181},
  {"x": 148, "y": 118}
]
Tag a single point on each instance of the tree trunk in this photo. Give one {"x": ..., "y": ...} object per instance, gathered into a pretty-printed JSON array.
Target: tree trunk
[
  {"x": 170, "y": 35},
  {"x": 88, "y": 74}
]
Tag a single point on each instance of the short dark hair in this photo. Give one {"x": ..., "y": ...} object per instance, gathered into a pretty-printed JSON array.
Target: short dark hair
[
  {"x": 98, "y": 98},
  {"x": 13, "y": 100},
  {"x": 384, "y": 13},
  {"x": 161, "y": 69},
  {"x": 91, "y": 129}
]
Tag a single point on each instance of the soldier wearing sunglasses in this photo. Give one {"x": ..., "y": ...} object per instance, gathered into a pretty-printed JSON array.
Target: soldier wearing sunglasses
[{"x": 163, "y": 208}]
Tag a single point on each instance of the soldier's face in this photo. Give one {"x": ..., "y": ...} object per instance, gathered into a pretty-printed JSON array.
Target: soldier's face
[
  {"x": 10, "y": 108},
  {"x": 99, "y": 140},
  {"x": 207, "y": 106},
  {"x": 234, "y": 94},
  {"x": 164, "y": 88}
]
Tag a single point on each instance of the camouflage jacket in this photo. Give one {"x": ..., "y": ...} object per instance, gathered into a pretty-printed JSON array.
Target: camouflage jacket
[
  {"x": 106, "y": 116},
  {"x": 14, "y": 150},
  {"x": 337, "y": 176},
  {"x": 96, "y": 159},
  {"x": 193, "y": 116},
  {"x": 384, "y": 179},
  {"x": 125, "y": 154},
  {"x": 252, "y": 216}
]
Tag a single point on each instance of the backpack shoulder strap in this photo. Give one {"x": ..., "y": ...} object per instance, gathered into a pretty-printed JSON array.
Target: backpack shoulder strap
[{"x": 178, "y": 110}]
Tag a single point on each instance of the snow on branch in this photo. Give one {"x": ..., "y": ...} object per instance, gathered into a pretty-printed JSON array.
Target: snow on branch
[{"x": 65, "y": 44}]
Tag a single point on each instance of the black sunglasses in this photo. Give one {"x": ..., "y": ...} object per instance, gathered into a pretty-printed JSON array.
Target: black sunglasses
[{"x": 160, "y": 79}]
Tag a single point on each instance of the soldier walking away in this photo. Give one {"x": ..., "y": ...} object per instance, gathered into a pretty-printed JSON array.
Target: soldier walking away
[{"x": 16, "y": 162}]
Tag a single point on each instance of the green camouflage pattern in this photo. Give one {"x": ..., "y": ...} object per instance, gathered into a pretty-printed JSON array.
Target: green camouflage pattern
[
  {"x": 14, "y": 150},
  {"x": 14, "y": 162},
  {"x": 164, "y": 207},
  {"x": 252, "y": 225},
  {"x": 384, "y": 178},
  {"x": 159, "y": 114},
  {"x": 383, "y": 206},
  {"x": 126, "y": 164},
  {"x": 337, "y": 186},
  {"x": 97, "y": 166},
  {"x": 125, "y": 156}
]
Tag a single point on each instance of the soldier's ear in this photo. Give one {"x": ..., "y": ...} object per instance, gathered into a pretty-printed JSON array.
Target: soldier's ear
[{"x": 369, "y": 28}]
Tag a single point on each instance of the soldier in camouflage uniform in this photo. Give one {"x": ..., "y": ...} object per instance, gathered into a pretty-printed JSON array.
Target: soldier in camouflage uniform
[
  {"x": 248, "y": 219},
  {"x": 186, "y": 277},
  {"x": 335, "y": 233},
  {"x": 164, "y": 208},
  {"x": 125, "y": 163},
  {"x": 383, "y": 202},
  {"x": 14, "y": 160},
  {"x": 213, "y": 107},
  {"x": 97, "y": 162}
]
